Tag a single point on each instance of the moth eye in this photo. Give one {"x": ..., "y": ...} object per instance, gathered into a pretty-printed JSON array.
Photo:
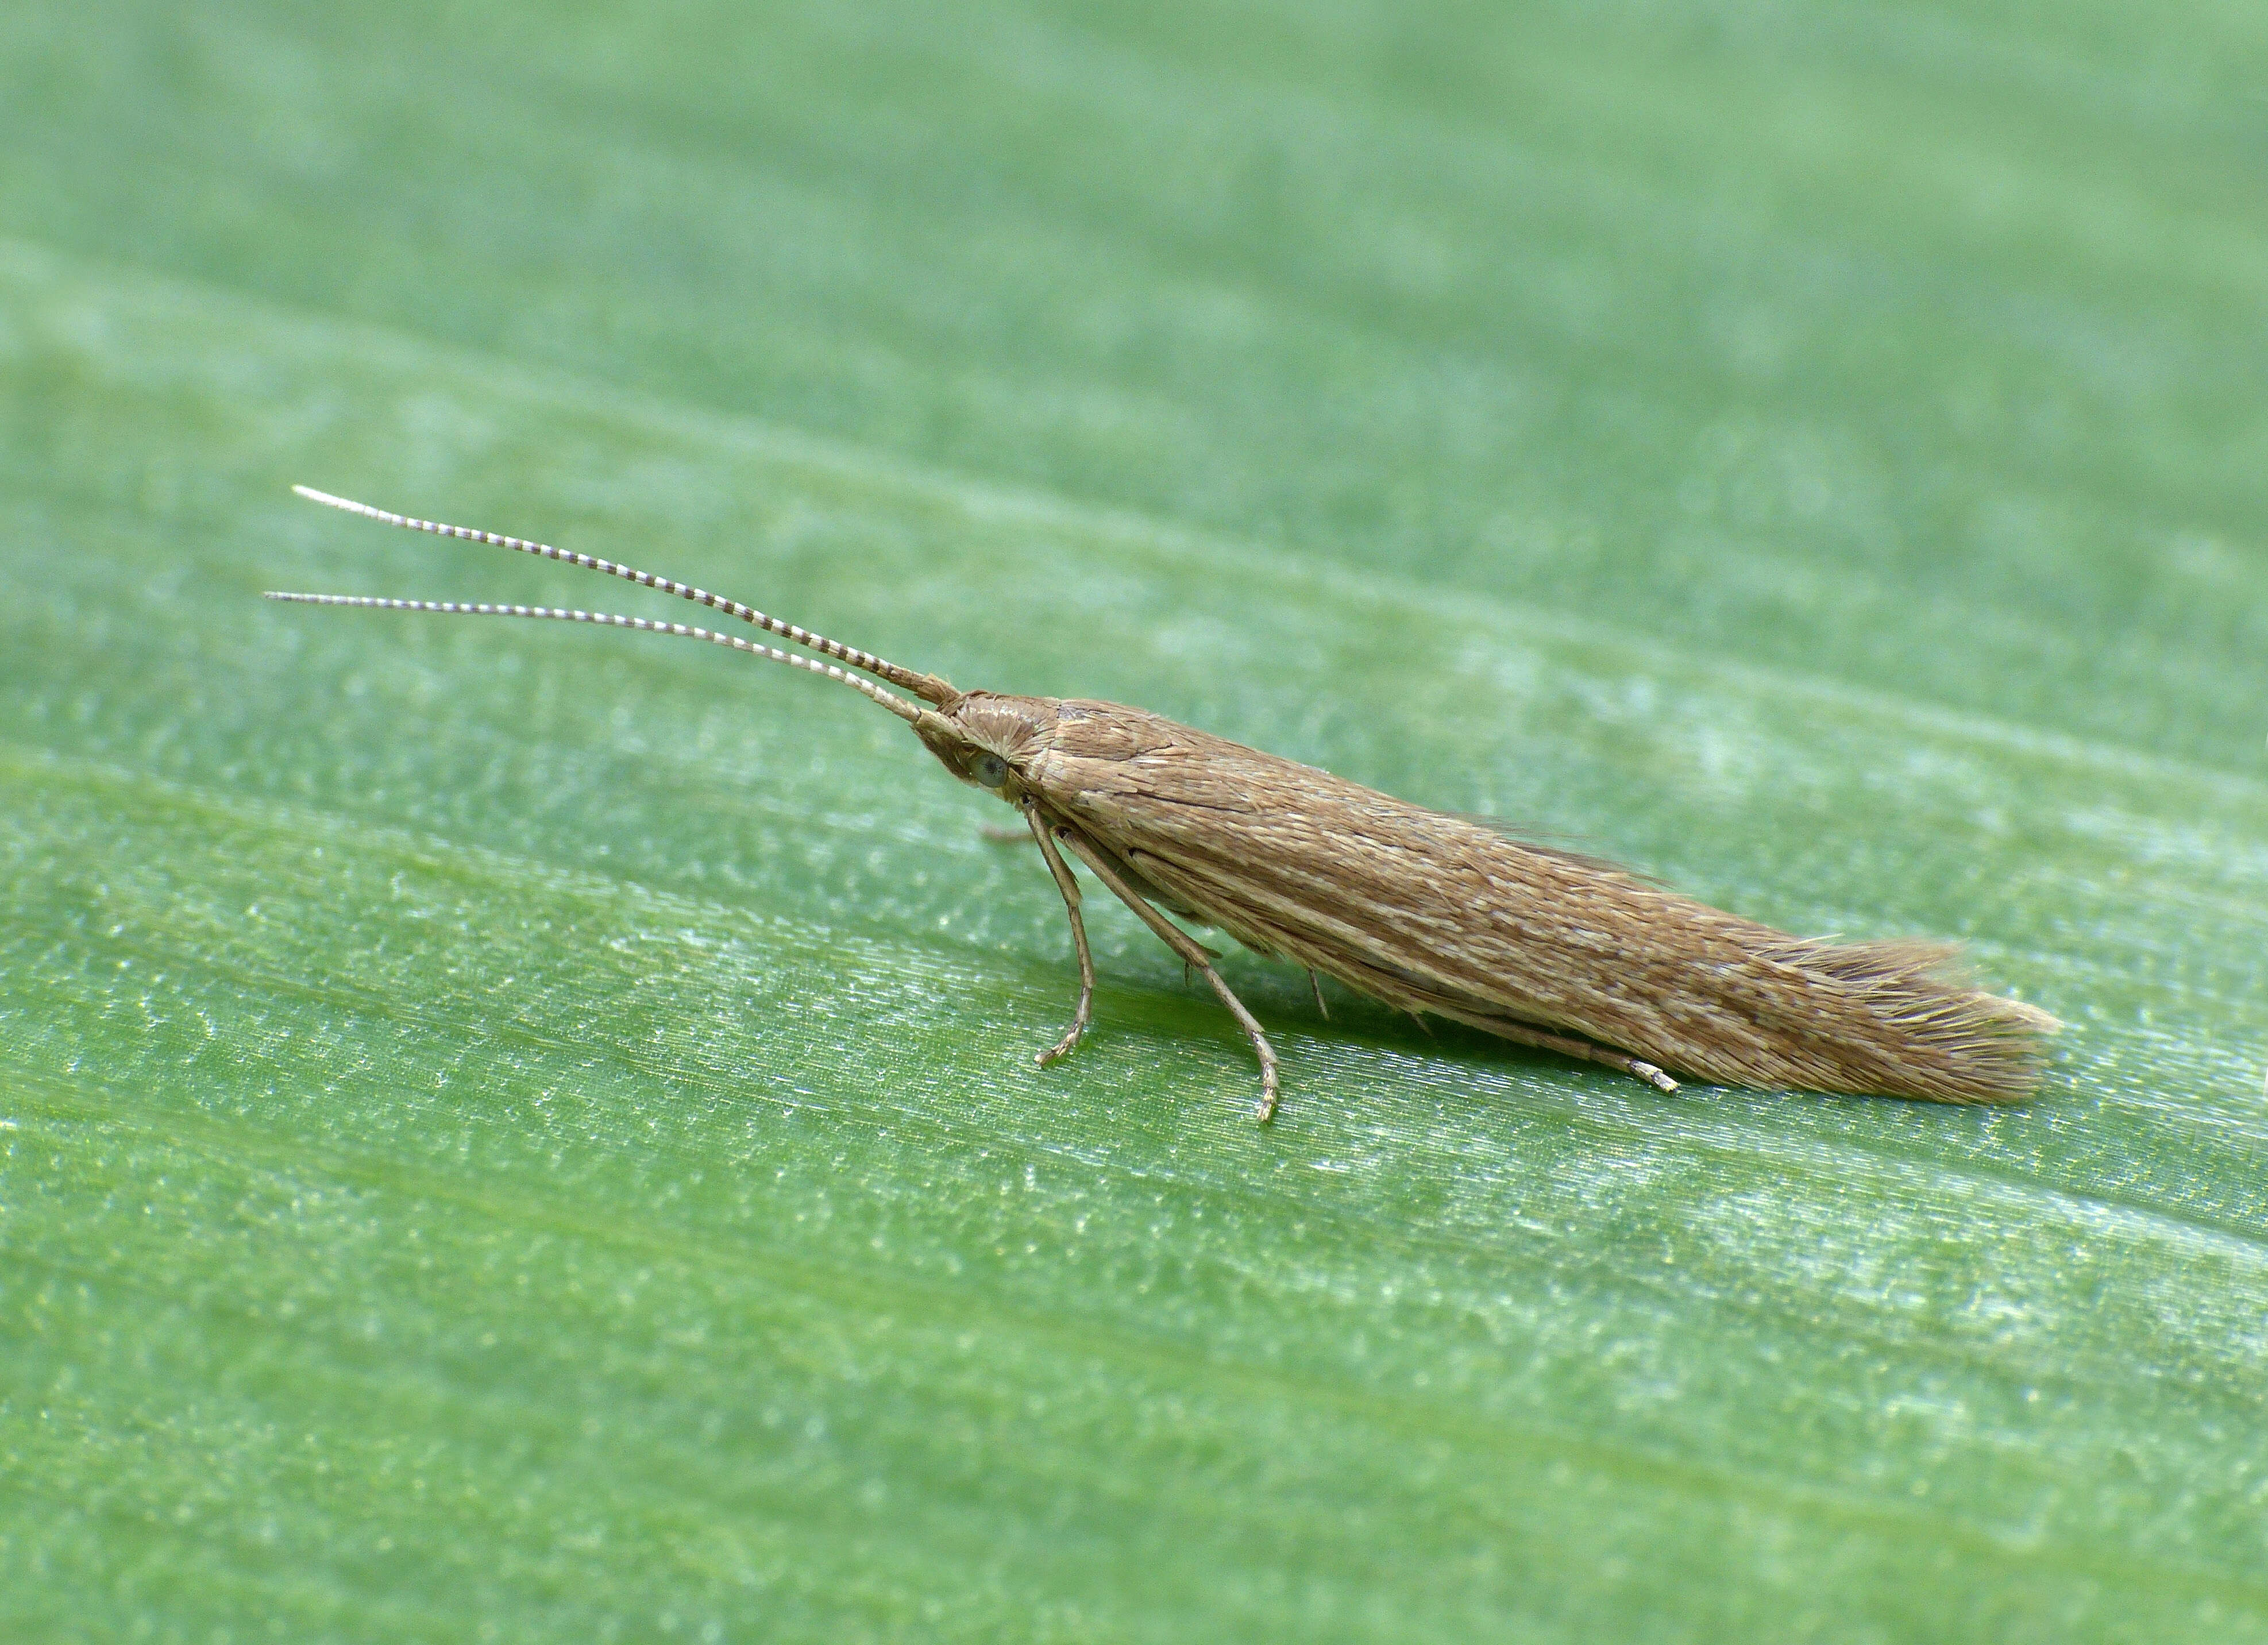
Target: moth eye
[{"x": 990, "y": 769}]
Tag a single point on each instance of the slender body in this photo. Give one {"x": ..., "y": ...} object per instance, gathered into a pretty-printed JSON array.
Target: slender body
[{"x": 1429, "y": 913}]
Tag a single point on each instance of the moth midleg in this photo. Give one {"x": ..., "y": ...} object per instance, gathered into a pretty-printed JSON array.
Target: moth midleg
[
  {"x": 1193, "y": 955},
  {"x": 1316, "y": 987},
  {"x": 1069, "y": 887}
]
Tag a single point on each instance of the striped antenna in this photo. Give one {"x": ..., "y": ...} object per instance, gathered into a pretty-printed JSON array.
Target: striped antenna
[
  {"x": 928, "y": 688},
  {"x": 894, "y": 703}
]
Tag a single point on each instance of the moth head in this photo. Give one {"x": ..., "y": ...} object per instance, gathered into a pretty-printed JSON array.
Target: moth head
[{"x": 989, "y": 739}]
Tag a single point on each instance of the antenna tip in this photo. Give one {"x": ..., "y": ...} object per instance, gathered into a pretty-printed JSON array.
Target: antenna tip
[{"x": 324, "y": 497}]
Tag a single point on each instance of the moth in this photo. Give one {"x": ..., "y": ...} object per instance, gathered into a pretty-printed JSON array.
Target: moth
[{"x": 1434, "y": 913}]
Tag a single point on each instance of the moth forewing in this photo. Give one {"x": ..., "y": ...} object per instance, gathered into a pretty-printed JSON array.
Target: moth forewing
[
  {"x": 1434, "y": 912},
  {"x": 1425, "y": 911}
]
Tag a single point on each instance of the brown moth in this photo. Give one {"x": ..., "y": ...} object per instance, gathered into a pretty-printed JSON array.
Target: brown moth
[{"x": 1431, "y": 913}]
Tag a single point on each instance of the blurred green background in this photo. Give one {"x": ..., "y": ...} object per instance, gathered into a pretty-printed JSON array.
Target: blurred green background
[{"x": 520, "y": 1133}]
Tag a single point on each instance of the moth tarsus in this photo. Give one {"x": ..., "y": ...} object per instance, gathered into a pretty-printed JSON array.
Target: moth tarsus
[{"x": 1432, "y": 913}]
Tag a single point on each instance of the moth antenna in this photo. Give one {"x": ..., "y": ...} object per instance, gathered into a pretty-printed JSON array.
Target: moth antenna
[
  {"x": 891, "y": 701},
  {"x": 928, "y": 688}
]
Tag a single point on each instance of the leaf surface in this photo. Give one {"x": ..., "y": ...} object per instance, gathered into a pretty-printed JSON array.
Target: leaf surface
[{"x": 515, "y": 1128}]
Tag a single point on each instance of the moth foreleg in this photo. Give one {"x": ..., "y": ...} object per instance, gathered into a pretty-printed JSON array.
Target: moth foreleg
[
  {"x": 1069, "y": 887},
  {"x": 1193, "y": 954}
]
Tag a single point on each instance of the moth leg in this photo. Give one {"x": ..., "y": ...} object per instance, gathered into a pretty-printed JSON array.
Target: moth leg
[
  {"x": 1069, "y": 887},
  {"x": 1316, "y": 987},
  {"x": 1582, "y": 1048},
  {"x": 1193, "y": 955}
]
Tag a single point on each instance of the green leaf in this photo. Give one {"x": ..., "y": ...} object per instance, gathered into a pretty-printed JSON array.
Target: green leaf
[{"x": 519, "y": 1132}]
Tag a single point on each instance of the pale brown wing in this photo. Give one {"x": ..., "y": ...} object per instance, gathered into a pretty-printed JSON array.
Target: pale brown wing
[
  {"x": 1431, "y": 912},
  {"x": 1546, "y": 845}
]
